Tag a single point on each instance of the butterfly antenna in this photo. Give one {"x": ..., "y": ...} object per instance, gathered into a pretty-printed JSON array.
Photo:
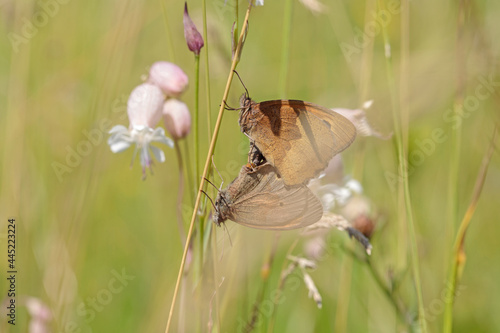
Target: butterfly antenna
[
  {"x": 246, "y": 90},
  {"x": 222, "y": 179},
  {"x": 218, "y": 190},
  {"x": 215, "y": 208}
]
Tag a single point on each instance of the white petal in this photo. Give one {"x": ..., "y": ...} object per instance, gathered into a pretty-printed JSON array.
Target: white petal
[
  {"x": 159, "y": 136},
  {"x": 367, "y": 104},
  {"x": 120, "y": 137},
  {"x": 119, "y": 146},
  {"x": 354, "y": 186},
  {"x": 158, "y": 153},
  {"x": 118, "y": 129},
  {"x": 145, "y": 157}
]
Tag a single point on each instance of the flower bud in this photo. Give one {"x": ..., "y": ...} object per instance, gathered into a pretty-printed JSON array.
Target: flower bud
[
  {"x": 169, "y": 77},
  {"x": 358, "y": 211},
  {"x": 177, "y": 118},
  {"x": 144, "y": 105},
  {"x": 364, "y": 224},
  {"x": 193, "y": 37},
  {"x": 37, "y": 309}
]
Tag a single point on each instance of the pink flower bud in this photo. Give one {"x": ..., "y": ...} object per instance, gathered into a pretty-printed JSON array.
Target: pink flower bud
[
  {"x": 177, "y": 118},
  {"x": 359, "y": 212},
  {"x": 193, "y": 37},
  {"x": 169, "y": 77},
  {"x": 144, "y": 105}
]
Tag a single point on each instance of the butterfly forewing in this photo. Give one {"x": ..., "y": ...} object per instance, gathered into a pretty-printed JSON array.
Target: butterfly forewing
[
  {"x": 298, "y": 138},
  {"x": 343, "y": 130}
]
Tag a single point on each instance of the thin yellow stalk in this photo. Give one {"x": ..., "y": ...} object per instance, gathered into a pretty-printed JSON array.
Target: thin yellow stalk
[
  {"x": 458, "y": 260},
  {"x": 456, "y": 143},
  {"x": 207, "y": 163}
]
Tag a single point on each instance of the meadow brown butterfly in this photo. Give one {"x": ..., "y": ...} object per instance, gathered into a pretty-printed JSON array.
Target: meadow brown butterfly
[
  {"x": 258, "y": 198},
  {"x": 298, "y": 138}
]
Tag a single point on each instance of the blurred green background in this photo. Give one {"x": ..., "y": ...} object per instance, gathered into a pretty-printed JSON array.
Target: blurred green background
[{"x": 68, "y": 72}]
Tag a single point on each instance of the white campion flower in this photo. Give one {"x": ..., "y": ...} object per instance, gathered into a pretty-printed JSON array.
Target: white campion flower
[
  {"x": 334, "y": 196},
  {"x": 333, "y": 188},
  {"x": 259, "y": 2},
  {"x": 144, "y": 110}
]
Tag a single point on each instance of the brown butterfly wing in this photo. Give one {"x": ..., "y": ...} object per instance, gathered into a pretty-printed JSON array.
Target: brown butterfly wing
[
  {"x": 299, "y": 138},
  {"x": 270, "y": 205}
]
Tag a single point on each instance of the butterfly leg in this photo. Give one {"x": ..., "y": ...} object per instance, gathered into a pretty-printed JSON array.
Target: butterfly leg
[{"x": 230, "y": 108}]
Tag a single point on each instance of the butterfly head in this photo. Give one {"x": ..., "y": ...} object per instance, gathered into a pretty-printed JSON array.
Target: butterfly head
[{"x": 221, "y": 208}]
